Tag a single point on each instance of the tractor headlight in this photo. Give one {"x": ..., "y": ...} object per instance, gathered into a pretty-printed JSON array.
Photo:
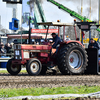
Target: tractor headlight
[{"x": 16, "y": 57}]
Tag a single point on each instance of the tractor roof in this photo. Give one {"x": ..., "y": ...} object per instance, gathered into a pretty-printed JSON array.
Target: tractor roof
[{"x": 55, "y": 24}]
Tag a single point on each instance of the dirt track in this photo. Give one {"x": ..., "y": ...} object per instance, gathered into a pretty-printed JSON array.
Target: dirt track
[{"x": 26, "y": 81}]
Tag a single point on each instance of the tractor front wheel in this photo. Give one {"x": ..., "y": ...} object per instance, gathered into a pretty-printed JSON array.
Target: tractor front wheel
[
  {"x": 33, "y": 67},
  {"x": 12, "y": 68}
]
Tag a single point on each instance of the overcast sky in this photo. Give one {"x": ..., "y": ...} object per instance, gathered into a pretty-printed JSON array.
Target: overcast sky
[
  {"x": 6, "y": 14},
  {"x": 52, "y": 13}
]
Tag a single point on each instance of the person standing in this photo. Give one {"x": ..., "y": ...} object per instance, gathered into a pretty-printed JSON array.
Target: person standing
[
  {"x": 3, "y": 51},
  {"x": 8, "y": 47},
  {"x": 93, "y": 44}
]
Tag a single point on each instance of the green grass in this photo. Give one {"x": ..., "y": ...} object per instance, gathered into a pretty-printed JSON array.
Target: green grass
[
  {"x": 5, "y": 71},
  {"x": 49, "y": 91}
]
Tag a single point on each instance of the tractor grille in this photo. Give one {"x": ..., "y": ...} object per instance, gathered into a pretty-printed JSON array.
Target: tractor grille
[
  {"x": 18, "y": 54},
  {"x": 17, "y": 49}
]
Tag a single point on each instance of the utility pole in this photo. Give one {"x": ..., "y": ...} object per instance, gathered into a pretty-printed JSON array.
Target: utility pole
[
  {"x": 90, "y": 9},
  {"x": 30, "y": 14},
  {"x": 81, "y": 6},
  {"x": 90, "y": 18},
  {"x": 14, "y": 13},
  {"x": 29, "y": 31},
  {"x": 81, "y": 15},
  {"x": 29, "y": 39},
  {"x": 31, "y": 7}
]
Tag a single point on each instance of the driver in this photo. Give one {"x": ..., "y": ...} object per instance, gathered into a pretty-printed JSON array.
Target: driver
[{"x": 56, "y": 41}]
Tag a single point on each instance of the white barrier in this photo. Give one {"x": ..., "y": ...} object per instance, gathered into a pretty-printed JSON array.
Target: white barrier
[{"x": 4, "y": 59}]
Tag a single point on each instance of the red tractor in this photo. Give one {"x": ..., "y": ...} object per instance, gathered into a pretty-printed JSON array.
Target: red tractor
[{"x": 71, "y": 57}]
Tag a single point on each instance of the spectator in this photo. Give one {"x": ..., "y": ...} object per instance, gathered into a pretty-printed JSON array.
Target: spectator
[
  {"x": 15, "y": 42},
  {"x": 8, "y": 47},
  {"x": 3, "y": 51},
  {"x": 42, "y": 41},
  {"x": 12, "y": 48},
  {"x": 33, "y": 41},
  {"x": 12, "y": 45},
  {"x": 93, "y": 44}
]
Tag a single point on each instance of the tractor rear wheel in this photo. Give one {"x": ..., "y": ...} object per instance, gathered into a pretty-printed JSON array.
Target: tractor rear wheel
[
  {"x": 33, "y": 67},
  {"x": 72, "y": 59},
  {"x": 13, "y": 69}
]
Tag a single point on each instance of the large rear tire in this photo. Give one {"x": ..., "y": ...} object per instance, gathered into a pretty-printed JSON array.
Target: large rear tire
[
  {"x": 33, "y": 67},
  {"x": 13, "y": 69},
  {"x": 72, "y": 59}
]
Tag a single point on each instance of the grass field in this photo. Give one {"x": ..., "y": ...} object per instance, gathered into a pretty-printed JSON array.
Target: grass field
[
  {"x": 48, "y": 91},
  {"x": 5, "y": 71}
]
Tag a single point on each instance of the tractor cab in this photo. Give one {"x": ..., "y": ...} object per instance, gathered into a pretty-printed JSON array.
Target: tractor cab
[{"x": 58, "y": 24}]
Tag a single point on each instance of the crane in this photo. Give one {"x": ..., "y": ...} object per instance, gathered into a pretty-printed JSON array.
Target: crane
[{"x": 71, "y": 12}]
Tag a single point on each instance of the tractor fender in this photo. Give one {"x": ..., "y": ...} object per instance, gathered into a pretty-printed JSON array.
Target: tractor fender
[{"x": 70, "y": 41}]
